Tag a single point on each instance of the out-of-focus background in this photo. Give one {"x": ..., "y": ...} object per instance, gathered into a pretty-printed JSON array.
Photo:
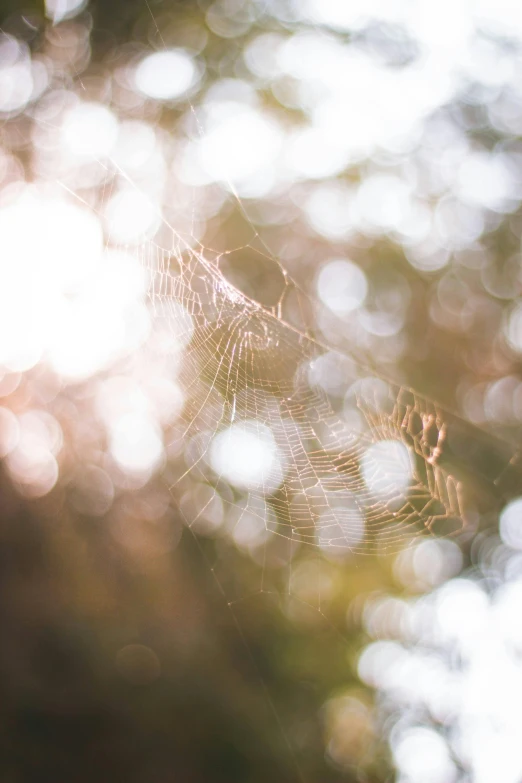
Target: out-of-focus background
[{"x": 369, "y": 148}]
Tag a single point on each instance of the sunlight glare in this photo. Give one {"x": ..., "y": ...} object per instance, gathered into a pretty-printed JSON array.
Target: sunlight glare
[
  {"x": 131, "y": 217},
  {"x": 342, "y": 286},
  {"x": 166, "y": 75},
  {"x": 247, "y": 456},
  {"x": 136, "y": 443},
  {"x": 240, "y": 144},
  {"x": 90, "y": 130},
  {"x": 511, "y": 524}
]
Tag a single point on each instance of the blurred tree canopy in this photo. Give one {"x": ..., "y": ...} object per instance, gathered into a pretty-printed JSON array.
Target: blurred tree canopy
[{"x": 132, "y": 647}]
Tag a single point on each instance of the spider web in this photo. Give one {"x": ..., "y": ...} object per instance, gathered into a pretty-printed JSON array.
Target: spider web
[{"x": 407, "y": 469}]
